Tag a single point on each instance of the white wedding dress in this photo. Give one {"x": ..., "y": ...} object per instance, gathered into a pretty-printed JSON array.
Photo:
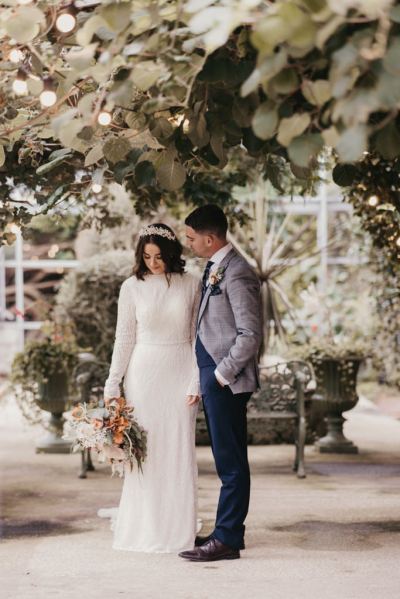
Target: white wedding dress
[{"x": 154, "y": 352}]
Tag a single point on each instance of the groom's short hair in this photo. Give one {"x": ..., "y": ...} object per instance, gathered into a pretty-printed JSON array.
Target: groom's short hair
[{"x": 208, "y": 219}]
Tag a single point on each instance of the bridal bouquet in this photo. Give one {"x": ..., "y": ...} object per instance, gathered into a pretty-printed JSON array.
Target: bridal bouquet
[{"x": 111, "y": 430}]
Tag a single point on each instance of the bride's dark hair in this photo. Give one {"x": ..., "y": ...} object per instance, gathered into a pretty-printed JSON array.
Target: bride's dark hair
[{"x": 170, "y": 250}]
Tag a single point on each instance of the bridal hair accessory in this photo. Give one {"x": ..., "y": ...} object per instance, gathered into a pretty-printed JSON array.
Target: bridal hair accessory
[{"x": 152, "y": 230}]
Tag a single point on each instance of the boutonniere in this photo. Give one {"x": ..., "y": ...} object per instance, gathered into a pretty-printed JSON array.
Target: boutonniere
[{"x": 216, "y": 276}]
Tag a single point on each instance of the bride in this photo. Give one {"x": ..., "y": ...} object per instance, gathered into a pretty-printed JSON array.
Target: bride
[{"x": 153, "y": 352}]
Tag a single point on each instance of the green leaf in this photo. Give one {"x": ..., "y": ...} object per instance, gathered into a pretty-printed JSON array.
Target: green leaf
[
  {"x": 145, "y": 174},
  {"x": 352, "y": 143},
  {"x": 292, "y": 127},
  {"x": 171, "y": 175},
  {"x": 268, "y": 33},
  {"x": 117, "y": 16},
  {"x": 135, "y": 120},
  {"x": 317, "y": 92},
  {"x": 162, "y": 129},
  {"x": 285, "y": 82},
  {"x": 115, "y": 149},
  {"x": 24, "y": 25},
  {"x": 391, "y": 61},
  {"x": 217, "y": 146},
  {"x": 68, "y": 136},
  {"x": 91, "y": 26},
  {"x": 45, "y": 168},
  {"x": 198, "y": 133},
  {"x": 265, "y": 120},
  {"x": 395, "y": 14},
  {"x": 94, "y": 155},
  {"x": 145, "y": 74},
  {"x": 386, "y": 207},
  {"x": 35, "y": 86},
  {"x": 388, "y": 142},
  {"x": 303, "y": 149},
  {"x": 331, "y": 136},
  {"x": 300, "y": 172},
  {"x": 304, "y": 37},
  {"x": 81, "y": 58},
  {"x": 328, "y": 29}
]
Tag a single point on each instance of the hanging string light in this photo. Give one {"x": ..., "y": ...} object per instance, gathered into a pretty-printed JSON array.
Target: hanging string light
[
  {"x": 66, "y": 20},
  {"x": 96, "y": 188},
  {"x": 373, "y": 200},
  {"x": 48, "y": 97},
  {"x": 19, "y": 85},
  {"x": 104, "y": 118}
]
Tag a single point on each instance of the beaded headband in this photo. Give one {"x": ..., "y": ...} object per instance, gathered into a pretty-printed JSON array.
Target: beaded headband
[{"x": 152, "y": 230}]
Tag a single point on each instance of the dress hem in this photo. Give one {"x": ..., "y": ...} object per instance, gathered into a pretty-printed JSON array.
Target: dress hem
[{"x": 178, "y": 550}]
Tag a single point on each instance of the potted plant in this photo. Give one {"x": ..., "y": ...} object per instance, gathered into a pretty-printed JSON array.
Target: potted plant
[
  {"x": 336, "y": 346},
  {"x": 41, "y": 375}
]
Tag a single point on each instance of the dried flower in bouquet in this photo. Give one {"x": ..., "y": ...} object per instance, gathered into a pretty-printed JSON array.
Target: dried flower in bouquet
[{"x": 110, "y": 429}]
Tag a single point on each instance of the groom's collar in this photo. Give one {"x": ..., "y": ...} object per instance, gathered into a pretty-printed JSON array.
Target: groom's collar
[{"x": 221, "y": 253}]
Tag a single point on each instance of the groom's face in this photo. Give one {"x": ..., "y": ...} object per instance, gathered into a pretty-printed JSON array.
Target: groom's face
[{"x": 200, "y": 243}]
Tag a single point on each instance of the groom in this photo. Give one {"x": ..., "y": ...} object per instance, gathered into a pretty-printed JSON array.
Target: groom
[{"x": 228, "y": 337}]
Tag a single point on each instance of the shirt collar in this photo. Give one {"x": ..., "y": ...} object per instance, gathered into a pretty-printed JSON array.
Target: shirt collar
[{"x": 221, "y": 253}]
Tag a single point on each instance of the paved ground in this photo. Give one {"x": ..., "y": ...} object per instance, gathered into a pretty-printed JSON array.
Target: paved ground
[{"x": 335, "y": 534}]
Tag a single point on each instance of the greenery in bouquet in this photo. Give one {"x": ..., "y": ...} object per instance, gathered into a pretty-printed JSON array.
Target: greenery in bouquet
[
  {"x": 56, "y": 351},
  {"x": 111, "y": 430}
]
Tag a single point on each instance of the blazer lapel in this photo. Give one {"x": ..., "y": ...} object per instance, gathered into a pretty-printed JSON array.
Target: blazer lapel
[{"x": 207, "y": 294}]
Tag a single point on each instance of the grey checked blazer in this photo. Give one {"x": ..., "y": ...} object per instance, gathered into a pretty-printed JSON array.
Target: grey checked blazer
[{"x": 230, "y": 323}]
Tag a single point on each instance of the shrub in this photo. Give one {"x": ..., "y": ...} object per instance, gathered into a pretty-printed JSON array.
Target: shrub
[{"x": 88, "y": 297}]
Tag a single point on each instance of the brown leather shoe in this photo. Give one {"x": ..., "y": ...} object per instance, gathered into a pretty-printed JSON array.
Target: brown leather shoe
[
  {"x": 212, "y": 551},
  {"x": 199, "y": 541}
]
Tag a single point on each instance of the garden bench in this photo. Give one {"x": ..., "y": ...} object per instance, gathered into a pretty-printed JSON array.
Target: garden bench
[{"x": 284, "y": 388}]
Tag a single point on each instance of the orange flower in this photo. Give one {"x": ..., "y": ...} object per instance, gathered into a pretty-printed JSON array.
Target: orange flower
[
  {"x": 97, "y": 422},
  {"x": 118, "y": 438},
  {"x": 119, "y": 422}
]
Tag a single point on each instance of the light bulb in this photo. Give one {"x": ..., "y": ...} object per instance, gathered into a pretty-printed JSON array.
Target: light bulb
[
  {"x": 48, "y": 98},
  {"x": 373, "y": 200},
  {"x": 398, "y": 241},
  {"x": 65, "y": 22},
  {"x": 15, "y": 55},
  {"x": 96, "y": 188},
  {"x": 24, "y": 1},
  {"x": 104, "y": 118},
  {"x": 20, "y": 87}
]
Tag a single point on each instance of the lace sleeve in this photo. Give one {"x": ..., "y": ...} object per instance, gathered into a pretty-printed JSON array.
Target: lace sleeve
[
  {"x": 124, "y": 341},
  {"x": 194, "y": 386}
]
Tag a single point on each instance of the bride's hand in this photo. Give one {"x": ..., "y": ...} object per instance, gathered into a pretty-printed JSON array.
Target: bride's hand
[{"x": 192, "y": 400}]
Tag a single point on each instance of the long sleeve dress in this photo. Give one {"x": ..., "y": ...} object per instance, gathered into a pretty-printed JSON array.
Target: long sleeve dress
[{"x": 153, "y": 351}]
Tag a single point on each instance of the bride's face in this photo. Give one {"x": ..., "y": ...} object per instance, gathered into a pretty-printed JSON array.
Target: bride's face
[{"x": 152, "y": 259}]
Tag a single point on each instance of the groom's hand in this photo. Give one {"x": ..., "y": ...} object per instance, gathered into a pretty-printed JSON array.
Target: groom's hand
[{"x": 192, "y": 400}]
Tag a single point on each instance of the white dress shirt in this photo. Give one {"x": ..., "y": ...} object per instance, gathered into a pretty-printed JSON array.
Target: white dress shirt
[{"x": 216, "y": 259}]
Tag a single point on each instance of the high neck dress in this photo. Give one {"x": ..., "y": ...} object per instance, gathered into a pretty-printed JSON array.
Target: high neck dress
[{"x": 153, "y": 351}]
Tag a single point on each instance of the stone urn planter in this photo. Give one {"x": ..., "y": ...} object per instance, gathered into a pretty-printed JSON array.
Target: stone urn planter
[
  {"x": 41, "y": 375},
  {"x": 53, "y": 397},
  {"x": 337, "y": 384}
]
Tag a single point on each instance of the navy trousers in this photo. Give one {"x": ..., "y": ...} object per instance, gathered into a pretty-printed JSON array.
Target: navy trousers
[{"x": 227, "y": 426}]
